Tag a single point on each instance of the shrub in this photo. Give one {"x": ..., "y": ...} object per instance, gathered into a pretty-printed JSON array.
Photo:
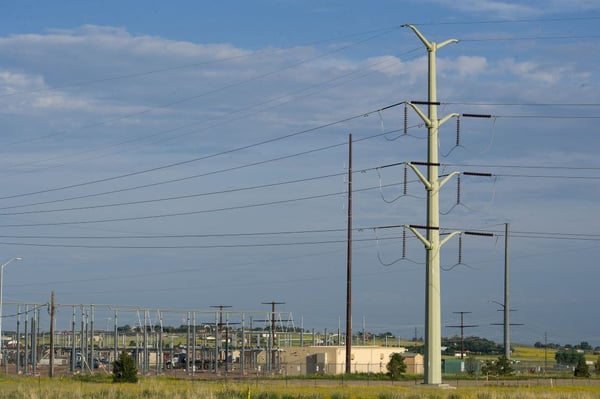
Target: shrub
[
  {"x": 124, "y": 369},
  {"x": 396, "y": 367}
]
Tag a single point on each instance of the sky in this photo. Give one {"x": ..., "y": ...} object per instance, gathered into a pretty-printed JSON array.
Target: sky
[{"x": 181, "y": 155}]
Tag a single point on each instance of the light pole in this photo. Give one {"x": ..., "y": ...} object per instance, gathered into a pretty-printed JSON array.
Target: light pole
[{"x": 1, "y": 284}]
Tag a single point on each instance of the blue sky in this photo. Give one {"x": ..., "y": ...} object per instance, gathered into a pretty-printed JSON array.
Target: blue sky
[{"x": 178, "y": 155}]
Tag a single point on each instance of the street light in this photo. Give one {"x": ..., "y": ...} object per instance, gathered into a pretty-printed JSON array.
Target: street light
[{"x": 1, "y": 283}]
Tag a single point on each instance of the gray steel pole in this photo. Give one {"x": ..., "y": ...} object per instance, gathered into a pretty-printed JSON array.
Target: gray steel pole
[
  {"x": 193, "y": 343},
  {"x": 217, "y": 338},
  {"x": 145, "y": 347},
  {"x": 92, "y": 338},
  {"x": 73, "y": 343},
  {"x": 18, "y": 360},
  {"x": 82, "y": 341},
  {"x": 243, "y": 351},
  {"x": 34, "y": 323},
  {"x": 26, "y": 340},
  {"x": 116, "y": 336}
]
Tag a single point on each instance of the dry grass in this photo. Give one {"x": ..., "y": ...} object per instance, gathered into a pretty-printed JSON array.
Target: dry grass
[{"x": 162, "y": 388}]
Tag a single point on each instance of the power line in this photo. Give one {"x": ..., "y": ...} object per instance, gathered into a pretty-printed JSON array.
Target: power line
[
  {"x": 209, "y": 92},
  {"x": 482, "y": 103},
  {"x": 179, "y": 197},
  {"x": 212, "y": 173},
  {"x": 549, "y": 177},
  {"x": 547, "y": 116},
  {"x": 192, "y": 160},
  {"x": 497, "y": 39},
  {"x": 512, "y": 166},
  {"x": 221, "y": 123},
  {"x": 206, "y": 246},
  {"x": 188, "y": 196},
  {"x": 507, "y": 21},
  {"x": 518, "y": 234},
  {"x": 189, "y": 213},
  {"x": 192, "y": 65}
]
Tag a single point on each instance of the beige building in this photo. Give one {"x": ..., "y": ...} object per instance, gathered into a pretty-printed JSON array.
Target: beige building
[{"x": 332, "y": 360}]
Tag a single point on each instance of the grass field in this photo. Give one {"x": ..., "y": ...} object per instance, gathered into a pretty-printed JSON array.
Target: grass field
[{"x": 164, "y": 388}]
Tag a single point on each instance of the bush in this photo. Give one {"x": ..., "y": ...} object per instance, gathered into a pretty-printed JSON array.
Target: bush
[
  {"x": 396, "y": 367},
  {"x": 124, "y": 369},
  {"x": 582, "y": 369}
]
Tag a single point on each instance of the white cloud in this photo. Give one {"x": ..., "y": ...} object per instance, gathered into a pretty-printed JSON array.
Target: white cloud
[
  {"x": 491, "y": 7},
  {"x": 463, "y": 66},
  {"x": 495, "y": 9},
  {"x": 15, "y": 82}
]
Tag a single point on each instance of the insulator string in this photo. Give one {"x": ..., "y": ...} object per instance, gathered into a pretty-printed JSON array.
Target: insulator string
[
  {"x": 405, "y": 189},
  {"x": 403, "y": 242},
  {"x": 405, "y": 119}
]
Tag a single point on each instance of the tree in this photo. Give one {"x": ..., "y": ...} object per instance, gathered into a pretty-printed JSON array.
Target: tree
[
  {"x": 503, "y": 366},
  {"x": 497, "y": 367},
  {"x": 489, "y": 368},
  {"x": 582, "y": 369},
  {"x": 569, "y": 357},
  {"x": 396, "y": 366},
  {"x": 124, "y": 369},
  {"x": 597, "y": 366},
  {"x": 585, "y": 346}
]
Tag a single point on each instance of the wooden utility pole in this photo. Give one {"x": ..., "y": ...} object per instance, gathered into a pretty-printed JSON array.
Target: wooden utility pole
[
  {"x": 349, "y": 266},
  {"x": 462, "y": 327},
  {"x": 52, "y": 313},
  {"x": 272, "y": 352}
]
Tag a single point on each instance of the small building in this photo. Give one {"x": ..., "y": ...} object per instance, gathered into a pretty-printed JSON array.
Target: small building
[{"x": 332, "y": 360}]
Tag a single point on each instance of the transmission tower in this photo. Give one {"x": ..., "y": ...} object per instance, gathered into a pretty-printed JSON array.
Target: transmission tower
[{"x": 432, "y": 243}]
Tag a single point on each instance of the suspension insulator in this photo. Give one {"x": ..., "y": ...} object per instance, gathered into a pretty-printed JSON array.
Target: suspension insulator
[
  {"x": 460, "y": 249},
  {"x": 405, "y": 119},
  {"x": 403, "y": 243},
  {"x": 405, "y": 180},
  {"x": 458, "y": 190},
  {"x": 457, "y": 132}
]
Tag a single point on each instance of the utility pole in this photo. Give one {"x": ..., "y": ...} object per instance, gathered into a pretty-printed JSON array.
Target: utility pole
[
  {"x": 272, "y": 334},
  {"x": 506, "y": 294},
  {"x": 432, "y": 243},
  {"x": 52, "y": 313},
  {"x": 349, "y": 266},
  {"x": 506, "y": 305},
  {"x": 218, "y": 336},
  {"x": 462, "y": 327}
]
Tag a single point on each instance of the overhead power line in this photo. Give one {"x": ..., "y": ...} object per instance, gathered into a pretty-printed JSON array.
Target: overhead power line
[
  {"x": 279, "y": 101},
  {"x": 197, "y": 64},
  {"x": 203, "y": 94},
  {"x": 192, "y": 160},
  {"x": 498, "y": 39},
  {"x": 483, "y": 103},
  {"x": 212, "y": 173},
  {"x": 509, "y": 166},
  {"x": 204, "y": 246},
  {"x": 198, "y": 212},
  {"x": 509, "y": 21}
]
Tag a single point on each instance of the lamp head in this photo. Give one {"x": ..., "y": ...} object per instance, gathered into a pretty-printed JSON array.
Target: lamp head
[{"x": 18, "y": 258}]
